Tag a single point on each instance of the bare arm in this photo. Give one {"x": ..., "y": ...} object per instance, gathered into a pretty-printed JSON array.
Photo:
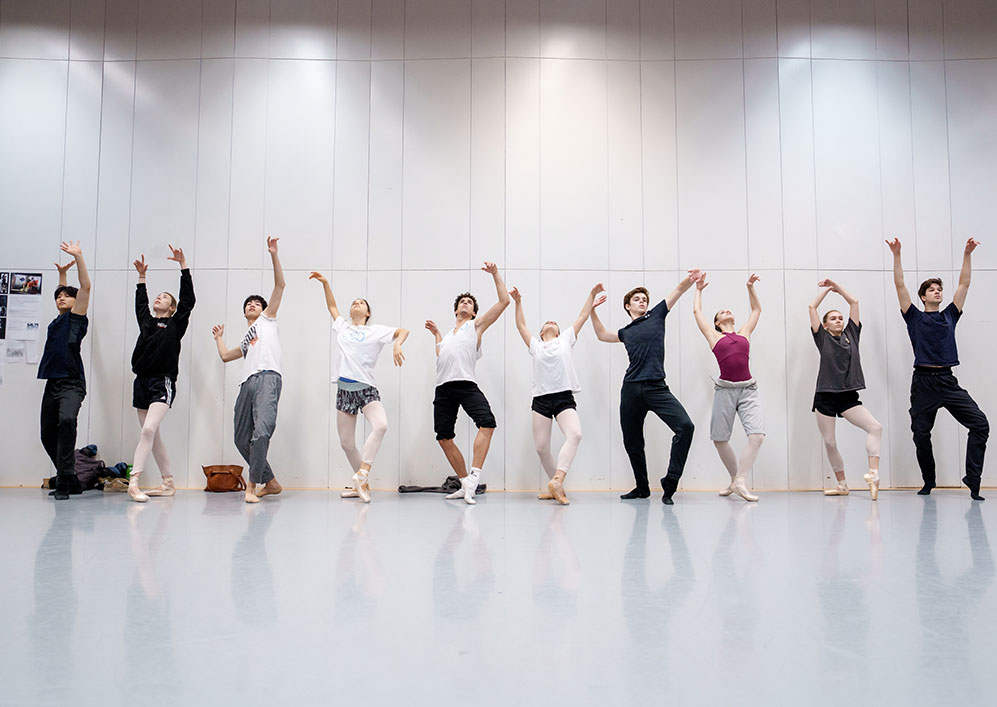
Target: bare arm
[
  {"x": 601, "y": 332},
  {"x": 83, "y": 295},
  {"x": 399, "y": 339},
  {"x": 435, "y": 331},
  {"x": 524, "y": 331},
  {"x": 278, "y": 279},
  {"x": 814, "y": 316},
  {"x": 680, "y": 289},
  {"x": 330, "y": 299},
  {"x": 63, "y": 269},
  {"x": 756, "y": 307},
  {"x": 587, "y": 307},
  {"x": 852, "y": 300},
  {"x": 707, "y": 329},
  {"x": 492, "y": 315},
  {"x": 965, "y": 275},
  {"x": 903, "y": 294},
  {"x": 226, "y": 354}
]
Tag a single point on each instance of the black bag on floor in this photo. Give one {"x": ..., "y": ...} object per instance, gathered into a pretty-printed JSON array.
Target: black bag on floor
[
  {"x": 450, "y": 485},
  {"x": 89, "y": 470}
]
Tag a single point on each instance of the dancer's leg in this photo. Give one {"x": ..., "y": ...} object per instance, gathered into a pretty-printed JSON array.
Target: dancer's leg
[
  {"x": 825, "y": 424},
  {"x": 150, "y": 420},
  {"x": 968, "y": 414},
  {"x": 633, "y": 410},
  {"x": 863, "y": 419},
  {"x": 729, "y": 460},
  {"x": 745, "y": 464},
  {"x": 541, "y": 440},
  {"x": 346, "y": 425},
  {"x": 571, "y": 427},
  {"x": 242, "y": 429},
  {"x": 925, "y": 399},
  {"x": 666, "y": 406},
  {"x": 377, "y": 418}
]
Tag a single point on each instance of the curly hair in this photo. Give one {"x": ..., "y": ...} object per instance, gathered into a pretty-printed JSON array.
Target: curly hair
[{"x": 468, "y": 295}]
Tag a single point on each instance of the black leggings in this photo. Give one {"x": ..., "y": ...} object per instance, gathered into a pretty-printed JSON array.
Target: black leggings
[
  {"x": 636, "y": 400},
  {"x": 931, "y": 391}
]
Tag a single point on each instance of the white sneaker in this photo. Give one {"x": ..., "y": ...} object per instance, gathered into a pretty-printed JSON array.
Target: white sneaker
[{"x": 470, "y": 484}]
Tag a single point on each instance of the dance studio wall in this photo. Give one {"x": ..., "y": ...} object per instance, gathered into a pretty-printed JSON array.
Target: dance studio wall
[{"x": 396, "y": 144}]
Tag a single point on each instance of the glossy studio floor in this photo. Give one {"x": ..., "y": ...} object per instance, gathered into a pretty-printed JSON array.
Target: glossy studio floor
[{"x": 310, "y": 599}]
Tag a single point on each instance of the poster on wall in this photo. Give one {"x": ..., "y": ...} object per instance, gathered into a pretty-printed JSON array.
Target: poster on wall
[
  {"x": 23, "y": 305},
  {"x": 15, "y": 351}
]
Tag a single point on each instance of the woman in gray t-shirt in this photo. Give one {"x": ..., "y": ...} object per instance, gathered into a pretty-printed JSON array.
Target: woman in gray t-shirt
[{"x": 839, "y": 381}]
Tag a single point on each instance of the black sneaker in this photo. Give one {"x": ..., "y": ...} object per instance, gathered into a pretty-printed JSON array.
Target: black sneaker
[{"x": 636, "y": 493}]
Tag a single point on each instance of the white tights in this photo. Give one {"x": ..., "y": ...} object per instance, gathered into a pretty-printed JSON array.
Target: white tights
[
  {"x": 861, "y": 418},
  {"x": 347, "y": 426},
  {"x": 739, "y": 468},
  {"x": 571, "y": 427},
  {"x": 151, "y": 441}
]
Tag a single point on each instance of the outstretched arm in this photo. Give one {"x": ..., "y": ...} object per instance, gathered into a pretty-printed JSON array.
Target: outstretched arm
[
  {"x": 601, "y": 332},
  {"x": 226, "y": 354},
  {"x": 330, "y": 300},
  {"x": 708, "y": 330},
  {"x": 588, "y": 306},
  {"x": 524, "y": 331},
  {"x": 756, "y": 307},
  {"x": 684, "y": 284},
  {"x": 278, "y": 279},
  {"x": 63, "y": 269},
  {"x": 141, "y": 293},
  {"x": 435, "y": 331},
  {"x": 83, "y": 295},
  {"x": 965, "y": 275},
  {"x": 492, "y": 315},
  {"x": 814, "y": 316},
  {"x": 903, "y": 294},
  {"x": 185, "y": 305},
  {"x": 852, "y": 300}
]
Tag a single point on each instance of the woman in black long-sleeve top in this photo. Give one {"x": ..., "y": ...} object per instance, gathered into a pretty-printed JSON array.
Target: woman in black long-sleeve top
[{"x": 155, "y": 363}]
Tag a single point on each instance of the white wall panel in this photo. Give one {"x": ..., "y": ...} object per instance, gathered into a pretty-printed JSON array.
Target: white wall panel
[
  {"x": 436, "y": 164},
  {"x": 487, "y": 28},
  {"x": 573, "y": 181},
  {"x": 924, "y": 19},
  {"x": 522, "y": 28},
  {"x": 846, "y": 160},
  {"x": 79, "y": 189},
  {"x": 523, "y": 470},
  {"x": 214, "y": 164},
  {"x": 387, "y": 29},
  {"x": 218, "y": 20},
  {"x": 252, "y": 31},
  {"x": 660, "y": 189},
  {"x": 111, "y": 348},
  {"x": 353, "y": 27},
  {"x": 32, "y": 141},
  {"x": 86, "y": 30},
  {"x": 249, "y": 137},
  {"x": 34, "y": 29},
  {"x": 932, "y": 210},
  {"x": 762, "y": 163},
  {"x": 625, "y": 165},
  {"x": 623, "y": 29},
  {"x": 712, "y": 209},
  {"x": 758, "y": 18},
  {"x": 840, "y": 30},
  {"x": 895, "y": 152},
  {"x": 164, "y": 159},
  {"x": 120, "y": 29},
  {"x": 970, "y": 29},
  {"x": 522, "y": 169},
  {"x": 793, "y": 28},
  {"x": 573, "y": 29},
  {"x": 384, "y": 225},
  {"x": 799, "y": 218},
  {"x": 657, "y": 30},
  {"x": 303, "y": 29},
  {"x": 708, "y": 29},
  {"x": 808, "y": 468},
  {"x": 351, "y": 164},
  {"x": 383, "y": 291},
  {"x": 115, "y": 169},
  {"x": 487, "y": 161},
  {"x": 169, "y": 30},
  {"x": 892, "y": 34},
  {"x": 437, "y": 29}
]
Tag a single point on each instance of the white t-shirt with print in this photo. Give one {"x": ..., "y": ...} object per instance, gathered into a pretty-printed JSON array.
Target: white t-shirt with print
[
  {"x": 357, "y": 349},
  {"x": 260, "y": 347},
  {"x": 553, "y": 368},
  {"x": 458, "y": 355}
]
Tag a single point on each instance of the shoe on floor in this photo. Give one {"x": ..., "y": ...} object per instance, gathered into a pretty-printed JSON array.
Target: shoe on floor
[
  {"x": 165, "y": 489},
  {"x": 838, "y": 490}
]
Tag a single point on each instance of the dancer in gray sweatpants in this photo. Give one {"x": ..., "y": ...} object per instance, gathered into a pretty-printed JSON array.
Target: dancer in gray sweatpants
[{"x": 259, "y": 391}]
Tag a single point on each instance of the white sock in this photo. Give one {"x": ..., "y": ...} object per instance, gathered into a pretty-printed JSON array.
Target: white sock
[{"x": 476, "y": 473}]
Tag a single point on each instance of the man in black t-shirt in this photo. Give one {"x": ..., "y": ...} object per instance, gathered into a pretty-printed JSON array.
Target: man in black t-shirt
[
  {"x": 644, "y": 388},
  {"x": 932, "y": 387},
  {"x": 61, "y": 366}
]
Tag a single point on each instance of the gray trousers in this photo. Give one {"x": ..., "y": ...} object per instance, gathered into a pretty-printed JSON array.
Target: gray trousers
[{"x": 255, "y": 422}]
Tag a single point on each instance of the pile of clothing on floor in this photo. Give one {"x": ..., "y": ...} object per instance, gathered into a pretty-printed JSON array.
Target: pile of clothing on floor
[{"x": 93, "y": 473}]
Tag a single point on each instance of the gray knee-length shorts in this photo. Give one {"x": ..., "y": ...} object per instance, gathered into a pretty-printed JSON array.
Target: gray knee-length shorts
[{"x": 739, "y": 398}]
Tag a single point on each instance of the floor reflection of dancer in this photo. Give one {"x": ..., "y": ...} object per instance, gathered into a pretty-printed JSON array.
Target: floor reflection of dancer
[
  {"x": 358, "y": 345},
  {"x": 156, "y": 365},
  {"x": 457, "y": 595},
  {"x": 839, "y": 381},
  {"x": 554, "y": 384},
  {"x": 735, "y": 392}
]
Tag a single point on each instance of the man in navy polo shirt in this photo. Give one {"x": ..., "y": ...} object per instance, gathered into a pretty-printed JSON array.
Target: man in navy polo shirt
[
  {"x": 932, "y": 387},
  {"x": 644, "y": 388},
  {"x": 61, "y": 366}
]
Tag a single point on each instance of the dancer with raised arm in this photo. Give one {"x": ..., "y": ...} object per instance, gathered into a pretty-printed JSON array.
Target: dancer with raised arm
[
  {"x": 554, "y": 385},
  {"x": 839, "y": 380},
  {"x": 457, "y": 355},
  {"x": 735, "y": 392},
  {"x": 156, "y": 363},
  {"x": 933, "y": 386},
  {"x": 358, "y": 345},
  {"x": 644, "y": 389},
  {"x": 259, "y": 390},
  {"x": 61, "y": 367}
]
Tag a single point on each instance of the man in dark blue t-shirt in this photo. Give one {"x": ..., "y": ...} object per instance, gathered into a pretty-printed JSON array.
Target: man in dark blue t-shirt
[
  {"x": 61, "y": 366},
  {"x": 932, "y": 387},
  {"x": 644, "y": 388}
]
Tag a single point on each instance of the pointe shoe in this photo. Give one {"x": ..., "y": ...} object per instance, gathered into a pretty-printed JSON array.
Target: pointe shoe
[
  {"x": 349, "y": 493},
  {"x": 270, "y": 488},
  {"x": 728, "y": 491},
  {"x": 741, "y": 490},
  {"x": 361, "y": 487},
  {"x": 134, "y": 492},
  {"x": 556, "y": 490},
  {"x": 545, "y": 496},
  {"x": 165, "y": 489},
  {"x": 873, "y": 481},
  {"x": 838, "y": 490}
]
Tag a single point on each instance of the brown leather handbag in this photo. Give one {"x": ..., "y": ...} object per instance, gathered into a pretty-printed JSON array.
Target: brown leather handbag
[{"x": 224, "y": 477}]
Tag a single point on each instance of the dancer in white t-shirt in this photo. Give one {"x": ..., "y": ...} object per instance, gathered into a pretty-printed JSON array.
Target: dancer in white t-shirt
[
  {"x": 554, "y": 385},
  {"x": 259, "y": 390},
  {"x": 358, "y": 345},
  {"x": 457, "y": 354}
]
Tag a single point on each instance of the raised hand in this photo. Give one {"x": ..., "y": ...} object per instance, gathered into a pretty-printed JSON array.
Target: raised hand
[
  {"x": 753, "y": 279},
  {"x": 432, "y": 328},
  {"x": 320, "y": 277},
  {"x": 63, "y": 269},
  {"x": 695, "y": 275},
  {"x": 598, "y": 288},
  {"x": 515, "y": 294},
  {"x": 177, "y": 256},
  {"x": 218, "y": 330},
  {"x": 71, "y": 248},
  {"x": 141, "y": 266},
  {"x": 272, "y": 245},
  {"x": 829, "y": 284},
  {"x": 598, "y": 300},
  {"x": 701, "y": 282},
  {"x": 971, "y": 245},
  {"x": 895, "y": 245},
  {"x": 490, "y": 267}
]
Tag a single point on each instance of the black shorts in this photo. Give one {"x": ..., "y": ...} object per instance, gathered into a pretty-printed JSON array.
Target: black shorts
[
  {"x": 148, "y": 390},
  {"x": 459, "y": 394},
  {"x": 553, "y": 404},
  {"x": 833, "y": 404}
]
